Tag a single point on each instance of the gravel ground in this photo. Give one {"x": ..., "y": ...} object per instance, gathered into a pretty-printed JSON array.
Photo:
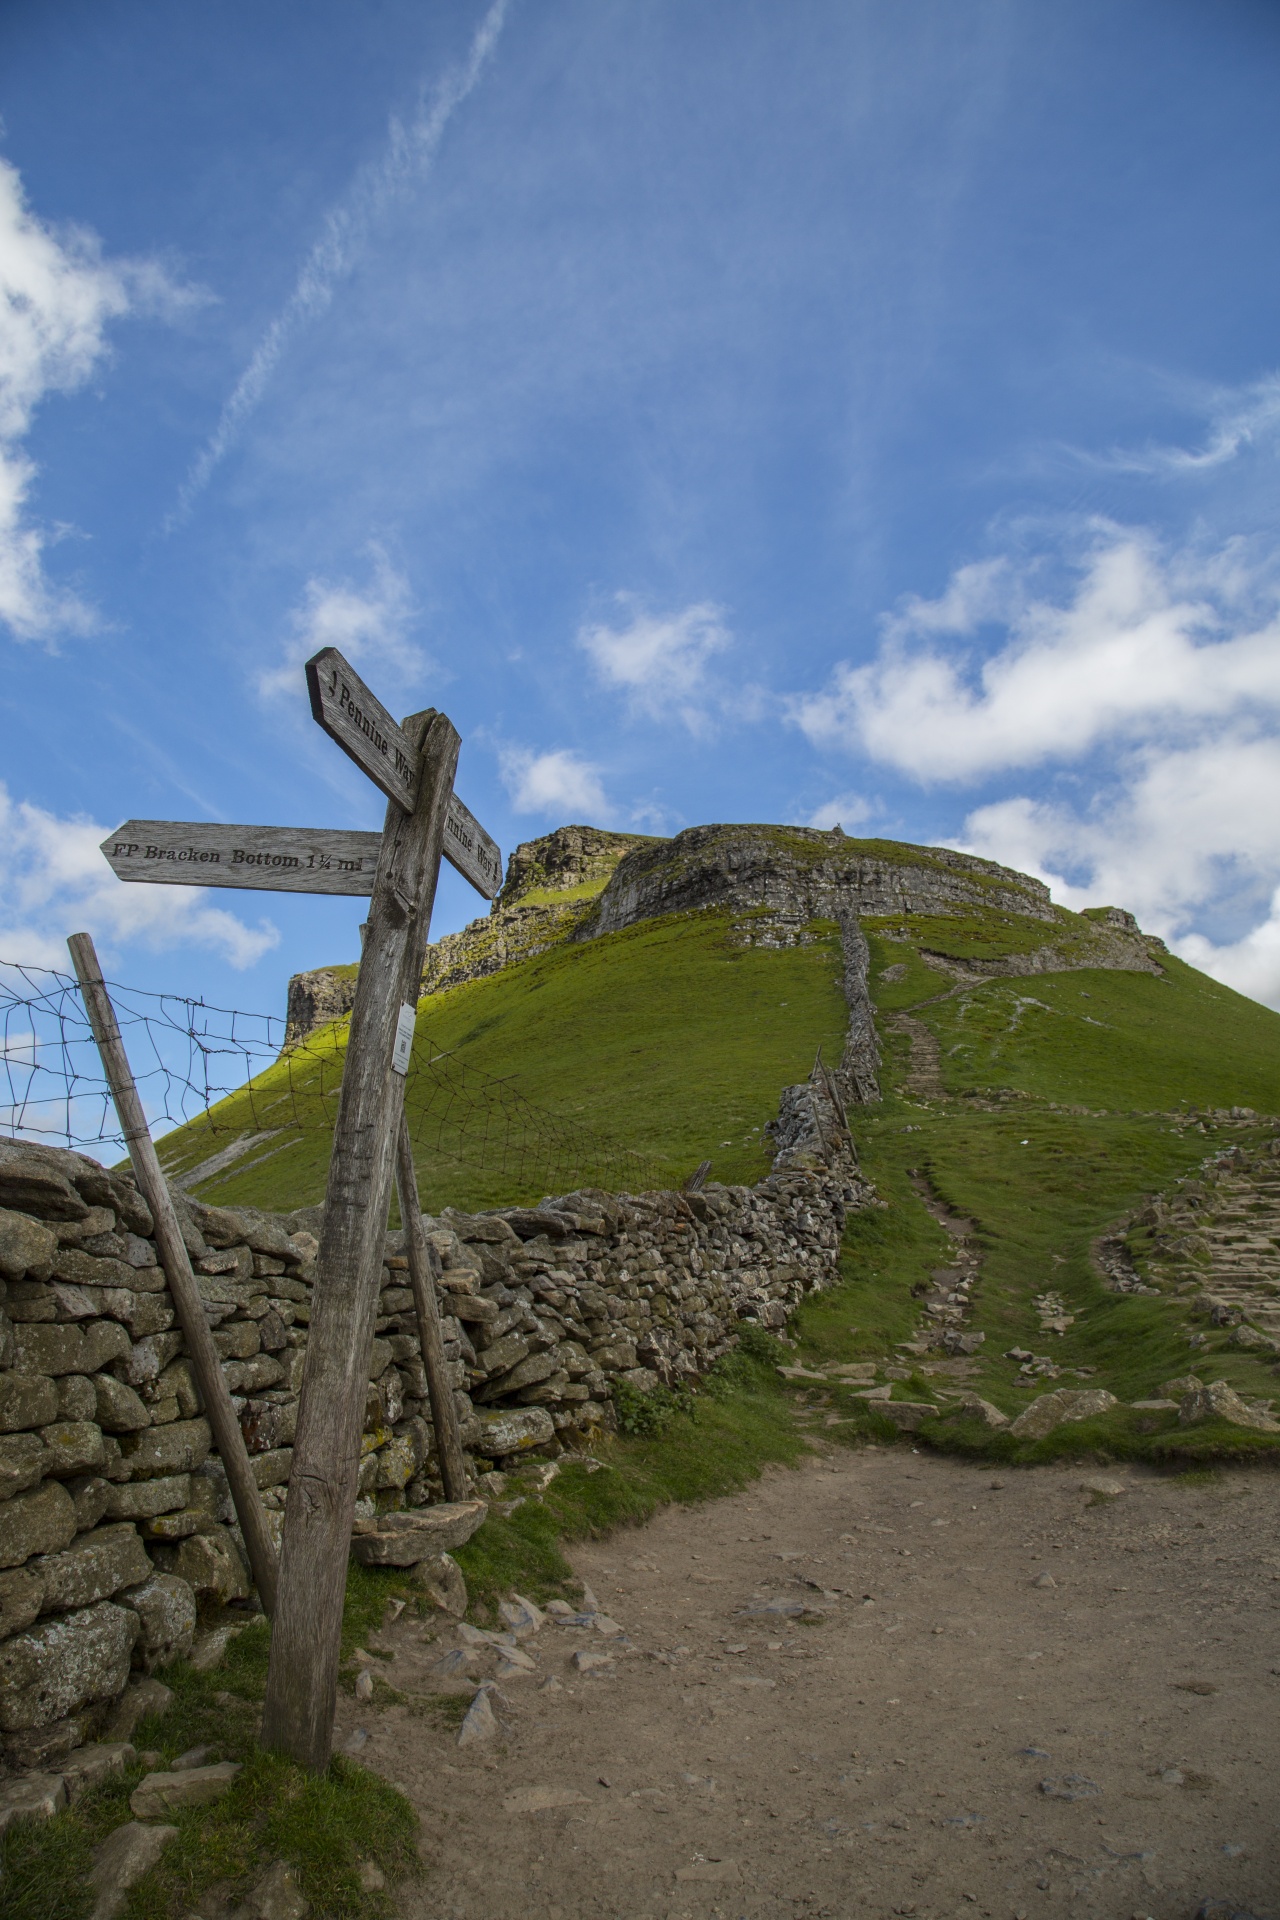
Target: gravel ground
[{"x": 1009, "y": 1695}]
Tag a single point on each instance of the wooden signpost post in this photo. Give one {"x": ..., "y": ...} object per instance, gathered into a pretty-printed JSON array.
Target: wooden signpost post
[{"x": 413, "y": 763}]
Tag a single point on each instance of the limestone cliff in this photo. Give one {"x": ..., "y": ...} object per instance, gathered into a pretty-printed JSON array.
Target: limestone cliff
[{"x": 783, "y": 886}]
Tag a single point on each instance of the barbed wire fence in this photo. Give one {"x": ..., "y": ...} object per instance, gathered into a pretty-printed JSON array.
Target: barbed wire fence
[{"x": 223, "y": 1093}]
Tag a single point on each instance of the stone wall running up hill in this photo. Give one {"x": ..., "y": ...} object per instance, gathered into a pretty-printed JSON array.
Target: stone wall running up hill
[{"x": 115, "y": 1515}]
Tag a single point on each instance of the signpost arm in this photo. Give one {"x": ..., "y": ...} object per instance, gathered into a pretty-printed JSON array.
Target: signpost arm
[
  {"x": 302, "y": 1678},
  {"x": 177, "y": 1267},
  {"x": 422, "y": 1267}
]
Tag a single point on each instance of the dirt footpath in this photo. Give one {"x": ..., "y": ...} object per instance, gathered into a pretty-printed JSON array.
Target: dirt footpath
[{"x": 1007, "y": 1696}]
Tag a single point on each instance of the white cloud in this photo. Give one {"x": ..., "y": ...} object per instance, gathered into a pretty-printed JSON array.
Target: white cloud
[
  {"x": 368, "y": 625},
  {"x": 1182, "y": 836},
  {"x": 846, "y": 810},
  {"x": 1250, "y": 965},
  {"x": 54, "y": 881},
  {"x": 558, "y": 783},
  {"x": 57, "y": 294},
  {"x": 659, "y": 661},
  {"x": 406, "y": 157},
  {"x": 1144, "y": 644}
]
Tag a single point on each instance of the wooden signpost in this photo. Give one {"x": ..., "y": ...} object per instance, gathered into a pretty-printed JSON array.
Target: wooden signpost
[{"x": 413, "y": 763}]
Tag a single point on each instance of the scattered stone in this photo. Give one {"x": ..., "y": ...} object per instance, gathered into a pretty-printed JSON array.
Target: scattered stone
[
  {"x": 457, "y": 1664},
  {"x": 597, "y": 1663},
  {"x": 480, "y": 1723},
  {"x": 364, "y": 1685},
  {"x": 542, "y": 1799},
  {"x": 1218, "y": 1401},
  {"x": 1044, "y": 1580},
  {"x": 515, "y": 1664},
  {"x": 521, "y": 1616},
  {"x": 278, "y": 1896},
  {"x": 1054, "y": 1409},
  {"x": 193, "y": 1757},
  {"x": 37, "y": 1796},
  {"x": 1105, "y": 1489},
  {"x": 207, "y": 1652},
  {"x": 1072, "y": 1786},
  {"x": 971, "y": 1406},
  {"x": 191, "y": 1787},
  {"x": 120, "y": 1862},
  {"x": 441, "y": 1580},
  {"x": 88, "y": 1765},
  {"x": 355, "y": 1741},
  {"x": 142, "y": 1698}
]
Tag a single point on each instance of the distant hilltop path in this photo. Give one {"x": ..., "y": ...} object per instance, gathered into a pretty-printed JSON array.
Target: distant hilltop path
[{"x": 778, "y": 884}]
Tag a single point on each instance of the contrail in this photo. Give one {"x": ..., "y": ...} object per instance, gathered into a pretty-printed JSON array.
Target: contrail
[{"x": 409, "y": 153}]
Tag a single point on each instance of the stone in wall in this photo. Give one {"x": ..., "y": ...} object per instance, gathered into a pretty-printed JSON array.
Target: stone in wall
[{"x": 115, "y": 1514}]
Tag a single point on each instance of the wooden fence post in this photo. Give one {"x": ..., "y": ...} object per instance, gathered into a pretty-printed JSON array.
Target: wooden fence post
[
  {"x": 302, "y": 1679},
  {"x": 205, "y": 1363},
  {"x": 422, "y": 1276}
]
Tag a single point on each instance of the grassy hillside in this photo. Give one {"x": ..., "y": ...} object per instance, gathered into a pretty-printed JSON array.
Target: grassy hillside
[
  {"x": 1062, "y": 1101},
  {"x": 1045, "y": 1107},
  {"x": 669, "y": 1039}
]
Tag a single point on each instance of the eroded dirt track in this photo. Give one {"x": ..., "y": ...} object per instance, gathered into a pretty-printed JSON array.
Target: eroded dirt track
[{"x": 948, "y": 1738}]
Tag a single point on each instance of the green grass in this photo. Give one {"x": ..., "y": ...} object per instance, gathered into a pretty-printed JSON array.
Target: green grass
[
  {"x": 667, "y": 1039},
  {"x": 323, "y": 1825}
]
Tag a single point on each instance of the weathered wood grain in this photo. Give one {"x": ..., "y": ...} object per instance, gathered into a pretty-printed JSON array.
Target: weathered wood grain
[
  {"x": 423, "y": 1273},
  {"x": 353, "y": 716},
  {"x": 203, "y": 853},
  {"x": 475, "y": 854},
  {"x": 302, "y": 1679},
  {"x": 356, "y": 719},
  {"x": 205, "y": 1363}
]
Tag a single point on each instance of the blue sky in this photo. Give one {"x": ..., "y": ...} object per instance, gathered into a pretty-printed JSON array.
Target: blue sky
[{"x": 849, "y": 412}]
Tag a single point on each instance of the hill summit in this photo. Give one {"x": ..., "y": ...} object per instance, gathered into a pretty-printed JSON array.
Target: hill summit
[{"x": 777, "y": 882}]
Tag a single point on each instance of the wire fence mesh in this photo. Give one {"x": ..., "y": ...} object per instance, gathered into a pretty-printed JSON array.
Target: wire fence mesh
[{"x": 224, "y": 1095}]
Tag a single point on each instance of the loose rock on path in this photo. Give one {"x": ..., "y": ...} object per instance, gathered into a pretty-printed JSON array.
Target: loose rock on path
[{"x": 884, "y": 1684}]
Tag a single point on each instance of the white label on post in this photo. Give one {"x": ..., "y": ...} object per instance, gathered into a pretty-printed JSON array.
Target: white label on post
[{"x": 403, "y": 1049}]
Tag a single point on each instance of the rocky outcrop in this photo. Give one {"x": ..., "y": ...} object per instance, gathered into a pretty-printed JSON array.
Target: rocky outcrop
[
  {"x": 788, "y": 877},
  {"x": 783, "y": 886},
  {"x": 551, "y": 888},
  {"x": 316, "y": 998}
]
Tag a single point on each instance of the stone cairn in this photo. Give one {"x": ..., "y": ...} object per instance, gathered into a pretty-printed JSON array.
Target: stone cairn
[{"x": 116, "y": 1521}]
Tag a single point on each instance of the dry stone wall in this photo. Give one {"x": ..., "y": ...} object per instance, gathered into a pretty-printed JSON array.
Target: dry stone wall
[{"x": 115, "y": 1516}]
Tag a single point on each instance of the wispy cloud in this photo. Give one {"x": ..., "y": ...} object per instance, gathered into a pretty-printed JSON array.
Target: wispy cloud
[
  {"x": 1237, "y": 418},
  {"x": 368, "y": 624},
  {"x": 407, "y": 155},
  {"x": 57, "y": 296},
  {"x": 660, "y": 661},
  {"x": 560, "y": 783},
  {"x": 54, "y": 880}
]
